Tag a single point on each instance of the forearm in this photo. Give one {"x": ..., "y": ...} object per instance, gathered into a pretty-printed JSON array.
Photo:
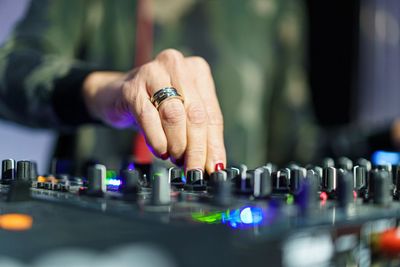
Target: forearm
[
  {"x": 40, "y": 78},
  {"x": 42, "y": 91}
]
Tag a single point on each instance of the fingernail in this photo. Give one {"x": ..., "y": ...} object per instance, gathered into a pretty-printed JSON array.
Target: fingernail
[
  {"x": 164, "y": 156},
  {"x": 179, "y": 162},
  {"x": 219, "y": 166}
]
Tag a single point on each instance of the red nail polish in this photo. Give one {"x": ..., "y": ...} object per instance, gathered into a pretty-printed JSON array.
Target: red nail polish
[
  {"x": 219, "y": 166},
  {"x": 164, "y": 156}
]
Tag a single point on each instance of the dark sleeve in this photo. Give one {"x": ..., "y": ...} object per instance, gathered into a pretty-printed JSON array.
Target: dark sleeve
[{"x": 40, "y": 79}]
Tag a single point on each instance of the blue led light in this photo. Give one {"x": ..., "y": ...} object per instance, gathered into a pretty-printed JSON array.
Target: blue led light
[
  {"x": 381, "y": 157},
  {"x": 131, "y": 166},
  {"x": 233, "y": 224},
  {"x": 251, "y": 215},
  {"x": 245, "y": 217},
  {"x": 114, "y": 182}
]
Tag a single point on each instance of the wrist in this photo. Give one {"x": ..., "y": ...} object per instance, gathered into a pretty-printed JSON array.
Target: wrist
[{"x": 99, "y": 91}]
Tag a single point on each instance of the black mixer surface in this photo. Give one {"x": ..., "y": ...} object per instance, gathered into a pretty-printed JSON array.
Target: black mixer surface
[
  {"x": 57, "y": 227},
  {"x": 328, "y": 215}
]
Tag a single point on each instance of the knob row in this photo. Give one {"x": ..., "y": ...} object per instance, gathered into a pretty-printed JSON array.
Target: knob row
[{"x": 22, "y": 170}]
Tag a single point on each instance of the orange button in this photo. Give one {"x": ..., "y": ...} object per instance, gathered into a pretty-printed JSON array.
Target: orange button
[
  {"x": 41, "y": 179},
  {"x": 389, "y": 241},
  {"x": 16, "y": 222}
]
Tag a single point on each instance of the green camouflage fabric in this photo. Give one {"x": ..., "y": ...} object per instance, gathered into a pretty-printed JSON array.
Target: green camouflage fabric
[{"x": 255, "y": 49}]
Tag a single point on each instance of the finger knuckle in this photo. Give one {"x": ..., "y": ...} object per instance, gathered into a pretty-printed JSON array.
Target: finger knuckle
[
  {"x": 196, "y": 114},
  {"x": 172, "y": 112},
  {"x": 170, "y": 55},
  {"x": 149, "y": 68},
  {"x": 215, "y": 118},
  {"x": 200, "y": 64}
]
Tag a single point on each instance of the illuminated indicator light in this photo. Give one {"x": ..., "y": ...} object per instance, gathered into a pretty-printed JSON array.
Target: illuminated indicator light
[
  {"x": 183, "y": 177},
  {"x": 289, "y": 199},
  {"x": 226, "y": 216},
  {"x": 251, "y": 215},
  {"x": 111, "y": 174},
  {"x": 233, "y": 224},
  {"x": 158, "y": 174},
  {"x": 41, "y": 179},
  {"x": 389, "y": 241},
  {"x": 131, "y": 166},
  {"x": 16, "y": 222},
  {"x": 354, "y": 194},
  {"x": 246, "y": 216},
  {"x": 207, "y": 218},
  {"x": 385, "y": 157},
  {"x": 233, "y": 218},
  {"x": 113, "y": 182},
  {"x": 323, "y": 196}
]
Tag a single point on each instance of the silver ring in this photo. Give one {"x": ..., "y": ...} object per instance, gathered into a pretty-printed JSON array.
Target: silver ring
[{"x": 163, "y": 94}]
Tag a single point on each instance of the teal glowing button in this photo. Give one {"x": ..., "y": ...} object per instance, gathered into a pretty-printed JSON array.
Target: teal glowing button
[{"x": 251, "y": 215}]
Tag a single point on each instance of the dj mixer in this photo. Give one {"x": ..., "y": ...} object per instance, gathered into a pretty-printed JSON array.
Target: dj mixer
[{"x": 337, "y": 213}]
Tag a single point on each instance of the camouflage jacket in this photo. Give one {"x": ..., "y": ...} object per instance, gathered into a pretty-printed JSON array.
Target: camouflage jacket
[{"x": 255, "y": 49}]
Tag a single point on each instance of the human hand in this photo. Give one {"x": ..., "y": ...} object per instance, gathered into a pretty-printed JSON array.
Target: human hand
[{"x": 189, "y": 132}]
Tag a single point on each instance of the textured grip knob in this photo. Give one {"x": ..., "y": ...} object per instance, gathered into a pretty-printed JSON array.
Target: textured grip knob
[
  {"x": 262, "y": 186},
  {"x": 296, "y": 177},
  {"x": 97, "y": 179},
  {"x": 161, "y": 191},
  {"x": 381, "y": 187},
  {"x": 344, "y": 188},
  {"x": 129, "y": 181},
  {"x": 360, "y": 177},
  {"x": 216, "y": 177},
  {"x": 8, "y": 170},
  {"x": 345, "y": 164},
  {"x": 24, "y": 170},
  {"x": 329, "y": 179},
  {"x": 194, "y": 180}
]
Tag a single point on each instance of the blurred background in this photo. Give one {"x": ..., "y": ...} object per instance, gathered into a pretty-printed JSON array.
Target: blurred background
[
  {"x": 354, "y": 65},
  {"x": 353, "y": 70},
  {"x": 19, "y": 142}
]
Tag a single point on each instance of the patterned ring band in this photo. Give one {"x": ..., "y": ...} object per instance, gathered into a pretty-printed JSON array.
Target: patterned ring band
[{"x": 163, "y": 94}]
